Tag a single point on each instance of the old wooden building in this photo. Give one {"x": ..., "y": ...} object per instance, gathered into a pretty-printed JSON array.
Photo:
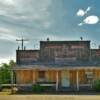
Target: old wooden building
[{"x": 61, "y": 64}]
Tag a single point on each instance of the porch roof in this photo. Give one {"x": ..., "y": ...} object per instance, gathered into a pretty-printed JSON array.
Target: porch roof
[{"x": 54, "y": 66}]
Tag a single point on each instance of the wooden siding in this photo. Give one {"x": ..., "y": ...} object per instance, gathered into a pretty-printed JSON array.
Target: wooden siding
[
  {"x": 96, "y": 74},
  {"x": 24, "y": 76},
  {"x": 31, "y": 76},
  {"x": 51, "y": 75},
  {"x": 72, "y": 77},
  {"x": 27, "y": 56},
  {"x": 63, "y": 51}
]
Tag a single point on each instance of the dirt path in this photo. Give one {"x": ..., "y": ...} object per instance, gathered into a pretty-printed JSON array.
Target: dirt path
[{"x": 49, "y": 97}]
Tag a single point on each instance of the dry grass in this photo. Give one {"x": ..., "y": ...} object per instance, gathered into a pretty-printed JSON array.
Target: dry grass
[
  {"x": 49, "y": 97},
  {"x": 5, "y": 92}
]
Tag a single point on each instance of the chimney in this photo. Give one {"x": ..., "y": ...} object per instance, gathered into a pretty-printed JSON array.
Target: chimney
[
  {"x": 81, "y": 38},
  {"x": 48, "y": 39}
]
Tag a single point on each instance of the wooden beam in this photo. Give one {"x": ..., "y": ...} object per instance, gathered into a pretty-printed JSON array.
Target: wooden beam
[
  {"x": 12, "y": 77},
  {"x": 77, "y": 80},
  {"x": 57, "y": 80},
  {"x": 12, "y": 81},
  {"x": 34, "y": 75}
]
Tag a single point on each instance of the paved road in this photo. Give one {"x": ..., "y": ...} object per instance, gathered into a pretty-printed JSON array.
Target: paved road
[{"x": 49, "y": 97}]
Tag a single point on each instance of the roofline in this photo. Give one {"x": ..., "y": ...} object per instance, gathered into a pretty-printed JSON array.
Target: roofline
[
  {"x": 28, "y": 50},
  {"x": 47, "y": 68},
  {"x": 53, "y": 68},
  {"x": 67, "y": 41}
]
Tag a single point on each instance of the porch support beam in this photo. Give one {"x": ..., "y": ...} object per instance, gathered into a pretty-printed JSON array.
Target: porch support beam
[
  {"x": 77, "y": 80},
  {"x": 57, "y": 80},
  {"x": 12, "y": 80},
  {"x": 34, "y": 75},
  {"x": 12, "y": 77}
]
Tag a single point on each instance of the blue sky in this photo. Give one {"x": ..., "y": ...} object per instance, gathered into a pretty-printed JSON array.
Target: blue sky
[{"x": 38, "y": 19}]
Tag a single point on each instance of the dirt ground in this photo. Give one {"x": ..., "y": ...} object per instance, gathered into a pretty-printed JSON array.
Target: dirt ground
[{"x": 49, "y": 97}]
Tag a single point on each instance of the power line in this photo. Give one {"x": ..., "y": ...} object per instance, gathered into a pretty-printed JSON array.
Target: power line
[{"x": 22, "y": 42}]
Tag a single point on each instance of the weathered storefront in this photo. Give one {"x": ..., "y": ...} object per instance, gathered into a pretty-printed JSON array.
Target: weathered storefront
[
  {"x": 61, "y": 64},
  {"x": 72, "y": 78}
]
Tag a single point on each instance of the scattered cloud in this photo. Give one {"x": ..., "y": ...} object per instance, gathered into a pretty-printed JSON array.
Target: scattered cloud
[
  {"x": 26, "y": 12},
  {"x": 7, "y": 2},
  {"x": 8, "y": 37},
  {"x": 5, "y": 60},
  {"x": 7, "y": 34},
  {"x": 38, "y": 19},
  {"x": 90, "y": 20},
  {"x": 88, "y": 9},
  {"x": 2, "y": 60},
  {"x": 80, "y": 24},
  {"x": 82, "y": 12}
]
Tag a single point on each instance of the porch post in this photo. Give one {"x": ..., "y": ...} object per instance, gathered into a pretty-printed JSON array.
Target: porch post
[
  {"x": 12, "y": 78},
  {"x": 57, "y": 80},
  {"x": 33, "y": 76},
  {"x": 77, "y": 80},
  {"x": 12, "y": 82}
]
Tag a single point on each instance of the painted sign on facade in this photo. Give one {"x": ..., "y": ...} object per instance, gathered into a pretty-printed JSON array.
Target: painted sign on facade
[{"x": 63, "y": 52}]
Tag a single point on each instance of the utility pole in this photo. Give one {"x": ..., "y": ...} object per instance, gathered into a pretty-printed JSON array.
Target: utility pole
[{"x": 22, "y": 42}]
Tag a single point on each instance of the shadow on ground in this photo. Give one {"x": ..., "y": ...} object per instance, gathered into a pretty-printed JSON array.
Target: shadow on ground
[{"x": 57, "y": 93}]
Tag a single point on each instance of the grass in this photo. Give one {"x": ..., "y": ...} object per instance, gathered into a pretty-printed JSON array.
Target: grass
[{"x": 5, "y": 92}]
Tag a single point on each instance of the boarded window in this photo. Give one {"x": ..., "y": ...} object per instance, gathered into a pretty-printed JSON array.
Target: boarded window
[{"x": 41, "y": 74}]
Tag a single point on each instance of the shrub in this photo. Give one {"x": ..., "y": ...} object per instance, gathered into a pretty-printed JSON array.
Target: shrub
[
  {"x": 96, "y": 85},
  {"x": 38, "y": 88}
]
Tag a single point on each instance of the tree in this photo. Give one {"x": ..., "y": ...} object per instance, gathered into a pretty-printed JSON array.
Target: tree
[{"x": 5, "y": 77}]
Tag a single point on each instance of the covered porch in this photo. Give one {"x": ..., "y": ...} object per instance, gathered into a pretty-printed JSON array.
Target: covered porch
[{"x": 59, "y": 78}]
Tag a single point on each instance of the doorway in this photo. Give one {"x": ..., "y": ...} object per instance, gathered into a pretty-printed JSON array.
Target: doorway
[{"x": 65, "y": 79}]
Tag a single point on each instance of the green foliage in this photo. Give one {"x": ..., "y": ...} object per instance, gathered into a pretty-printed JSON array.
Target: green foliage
[
  {"x": 5, "y": 72},
  {"x": 4, "y": 76},
  {"x": 38, "y": 88},
  {"x": 11, "y": 63},
  {"x": 96, "y": 85}
]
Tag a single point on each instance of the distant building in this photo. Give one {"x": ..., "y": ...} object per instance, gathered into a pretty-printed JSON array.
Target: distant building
[{"x": 60, "y": 64}]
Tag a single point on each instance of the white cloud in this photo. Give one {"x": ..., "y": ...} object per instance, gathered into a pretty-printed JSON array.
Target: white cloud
[
  {"x": 5, "y": 60},
  {"x": 7, "y": 34},
  {"x": 4, "y": 30},
  {"x": 90, "y": 20},
  {"x": 27, "y": 11},
  {"x": 8, "y": 37},
  {"x": 80, "y": 24},
  {"x": 82, "y": 12},
  {"x": 88, "y": 9},
  {"x": 46, "y": 24},
  {"x": 8, "y": 2}
]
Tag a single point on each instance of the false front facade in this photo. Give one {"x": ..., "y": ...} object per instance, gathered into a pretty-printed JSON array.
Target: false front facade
[{"x": 59, "y": 64}]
